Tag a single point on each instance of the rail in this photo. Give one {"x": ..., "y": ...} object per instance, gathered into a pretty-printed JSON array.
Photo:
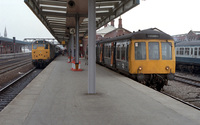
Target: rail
[
  {"x": 14, "y": 65},
  {"x": 180, "y": 100},
  {"x": 187, "y": 80},
  {"x": 11, "y": 83}
]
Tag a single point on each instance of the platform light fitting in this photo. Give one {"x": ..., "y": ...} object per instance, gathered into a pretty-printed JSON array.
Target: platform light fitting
[{"x": 71, "y": 3}]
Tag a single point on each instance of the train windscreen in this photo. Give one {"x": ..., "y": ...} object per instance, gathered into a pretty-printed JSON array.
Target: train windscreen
[
  {"x": 140, "y": 51},
  {"x": 166, "y": 51},
  {"x": 154, "y": 51}
]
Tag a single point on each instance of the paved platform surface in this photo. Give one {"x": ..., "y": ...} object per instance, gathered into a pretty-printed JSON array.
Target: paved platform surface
[{"x": 58, "y": 96}]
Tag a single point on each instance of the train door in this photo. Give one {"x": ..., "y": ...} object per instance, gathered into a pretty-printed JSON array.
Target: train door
[
  {"x": 112, "y": 54},
  {"x": 101, "y": 53},
  {"x": 98, "y": 52}
]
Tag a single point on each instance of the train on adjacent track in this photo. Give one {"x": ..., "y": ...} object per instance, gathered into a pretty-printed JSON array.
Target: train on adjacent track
[
  {"x": 43, "y": 52},
  {"x": 188, "y": 56},
  {"x": 148, "y": 56}
]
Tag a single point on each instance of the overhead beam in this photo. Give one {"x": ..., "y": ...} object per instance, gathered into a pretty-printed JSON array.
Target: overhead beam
[
  {"x": 53, "y": 8},
  {"x": 121, "y": 9},
  {"x": 54, "y": 3}
]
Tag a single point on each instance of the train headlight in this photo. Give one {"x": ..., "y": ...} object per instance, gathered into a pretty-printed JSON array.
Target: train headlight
[
  {"x": 140, "y": 68},
  {"x": 167, "y": 68}
]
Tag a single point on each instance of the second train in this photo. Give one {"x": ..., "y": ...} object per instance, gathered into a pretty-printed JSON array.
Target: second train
[{"x": 148, "y": 56}]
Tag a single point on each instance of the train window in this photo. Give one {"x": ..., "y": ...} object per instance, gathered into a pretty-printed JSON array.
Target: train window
[
  {"x": 191, "y": 51},
  {"x": 195, "y": 51},
  {"x": 123, "y": 52},
  {"x": 127, "y": 52},
  {"x": 118, "y": 52},
  {"x": 140, "y": 51},
  {"x": 40, "y": 45},
  {"x": 181, "y": 51},
  {"x": 199, "y": 51},
  {"x": 108, "y": 52},
  {"x": 187, "y": 51},
  {"x": 34, "y": 46},
  {"x": 166, "y": 51},
  {"x": 154, "y": 51},
  {"x": 105, "y": 50},
  {"x": 46, "y": 46},
  {"x": 177, "y": 51},
  {"x": 99, "y": 49}
]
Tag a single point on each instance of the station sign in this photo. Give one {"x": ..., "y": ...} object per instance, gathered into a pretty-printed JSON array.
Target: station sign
[
  {"x": 153, "y": 36},
  {"x": 63, "y": 43}
]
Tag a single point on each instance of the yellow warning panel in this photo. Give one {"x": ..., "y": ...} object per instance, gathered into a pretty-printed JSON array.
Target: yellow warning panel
[{"x": 63, "y": 42}]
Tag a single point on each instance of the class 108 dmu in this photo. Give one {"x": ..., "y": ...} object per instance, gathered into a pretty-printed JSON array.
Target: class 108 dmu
[{"x": 148, "y": 56}]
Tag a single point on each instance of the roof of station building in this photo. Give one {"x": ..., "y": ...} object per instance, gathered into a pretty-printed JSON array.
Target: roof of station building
[
  {"x": 106, "y": 30},
  {"x": 5, "y": 39}
]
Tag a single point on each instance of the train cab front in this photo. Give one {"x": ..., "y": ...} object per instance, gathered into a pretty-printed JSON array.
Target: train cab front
[
  {"x": 40, "y": 54},
  {"x": 152, "y": 61}
]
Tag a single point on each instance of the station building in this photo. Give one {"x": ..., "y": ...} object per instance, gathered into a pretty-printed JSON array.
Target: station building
[
  {"x": 108, "y": 31},
  {"x": 8, "y": 45}
]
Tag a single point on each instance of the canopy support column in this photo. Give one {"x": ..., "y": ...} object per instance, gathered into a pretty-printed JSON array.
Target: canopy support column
[
  {"x": 77, "y": 40},
  {"x": 91, "y": 47}
]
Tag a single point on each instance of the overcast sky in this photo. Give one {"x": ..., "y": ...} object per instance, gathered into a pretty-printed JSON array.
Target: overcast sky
[{"x": 171, "y": 16}]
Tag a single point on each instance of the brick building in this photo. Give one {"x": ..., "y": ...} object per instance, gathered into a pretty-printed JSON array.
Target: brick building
[
  {"x": 191, "y": 36},
  {"x": 118, "y": 31},
  {"x": 109, "y": 31}
]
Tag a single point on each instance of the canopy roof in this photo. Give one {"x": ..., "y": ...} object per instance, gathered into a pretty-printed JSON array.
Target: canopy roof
[{"x": 59, "y": 15}]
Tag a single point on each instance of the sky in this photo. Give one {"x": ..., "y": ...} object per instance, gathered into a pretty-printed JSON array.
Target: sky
[{"x": 171, "y": 16}]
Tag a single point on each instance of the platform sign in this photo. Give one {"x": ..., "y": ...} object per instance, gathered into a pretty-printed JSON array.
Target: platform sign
[
  {"x": 63, "y": 43},
  {"x": 72, "y": 31}
]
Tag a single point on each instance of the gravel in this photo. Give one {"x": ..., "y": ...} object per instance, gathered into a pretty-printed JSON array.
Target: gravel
[
  {"x": 11, "y": 75},
  {"x": 183, "y": 91}
]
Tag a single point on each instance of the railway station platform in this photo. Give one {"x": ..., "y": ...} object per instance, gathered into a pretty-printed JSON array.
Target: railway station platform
[{"x": 58, "y": 96}]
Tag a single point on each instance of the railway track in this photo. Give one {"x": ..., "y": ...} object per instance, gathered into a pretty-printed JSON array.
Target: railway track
[
  {"x": 15, "y": 65},
  {"x": 3, "y": 87},
  {"x": 178, "y": 99},
  {"x": 184, "y": 93},
  {"x": 10, "y": 90},
  {"x": 187, "y": 80}
]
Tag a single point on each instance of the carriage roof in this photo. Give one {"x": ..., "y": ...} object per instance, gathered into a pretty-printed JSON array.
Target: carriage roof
[{"x": 152, "y": 33}]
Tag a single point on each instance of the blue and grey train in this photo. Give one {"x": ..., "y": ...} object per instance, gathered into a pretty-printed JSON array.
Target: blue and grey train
[{"x": 188, "y": 56}]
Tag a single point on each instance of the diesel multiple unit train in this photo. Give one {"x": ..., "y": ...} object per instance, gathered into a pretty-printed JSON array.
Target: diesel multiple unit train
[
  {"x": 43, "y": 52},
  {"x": 188, "y": 56},
  {"x": 148, "y": 56}
]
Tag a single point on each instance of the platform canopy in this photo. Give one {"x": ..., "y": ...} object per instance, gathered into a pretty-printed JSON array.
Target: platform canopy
[{"x": 59, "y": 15}]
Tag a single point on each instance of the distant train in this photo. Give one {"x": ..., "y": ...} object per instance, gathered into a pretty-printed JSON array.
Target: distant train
[
  {"x": 188, "y": 56},
  {"x": 43, "y": 53},
  {"x": 148, "y": 56}
]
